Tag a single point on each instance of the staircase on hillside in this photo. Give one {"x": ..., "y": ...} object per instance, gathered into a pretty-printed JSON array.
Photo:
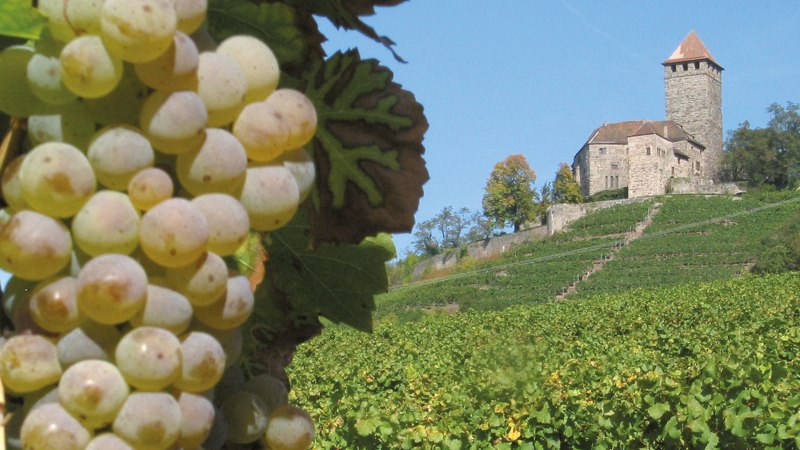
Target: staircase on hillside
[{"x": 598, "y": 265}]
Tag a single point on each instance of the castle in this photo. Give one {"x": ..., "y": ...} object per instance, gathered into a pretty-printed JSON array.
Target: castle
[{"x": 645, "y": 155}]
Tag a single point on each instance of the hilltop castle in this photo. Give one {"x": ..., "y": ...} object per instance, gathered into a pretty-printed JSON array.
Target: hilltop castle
[{"x": 645, "y": 155}]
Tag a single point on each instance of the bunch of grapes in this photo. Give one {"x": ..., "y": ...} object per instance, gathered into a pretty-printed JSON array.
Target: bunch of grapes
[{"x": 152, "y": 153}]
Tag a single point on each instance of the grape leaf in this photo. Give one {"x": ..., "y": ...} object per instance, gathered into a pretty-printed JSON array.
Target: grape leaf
[
  {"x": 345, "y": 14},
  {"x": 274, "y": 23},
  {"x": 19, "y": 19},
  {"x": 367, "y": 149},
  {"x": 337, "y": 281}
]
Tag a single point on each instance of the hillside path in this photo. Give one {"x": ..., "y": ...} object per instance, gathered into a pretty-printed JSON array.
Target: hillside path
[{"x": 598, "y": 265}]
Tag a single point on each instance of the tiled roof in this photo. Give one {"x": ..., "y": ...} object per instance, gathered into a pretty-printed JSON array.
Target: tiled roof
[
  {"x": 619, "y": 132},
  {"x": 691, "y": 49}
]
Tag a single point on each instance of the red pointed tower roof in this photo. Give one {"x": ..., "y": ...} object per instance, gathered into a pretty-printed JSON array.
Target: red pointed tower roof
[{"x": 691, "y": 49}]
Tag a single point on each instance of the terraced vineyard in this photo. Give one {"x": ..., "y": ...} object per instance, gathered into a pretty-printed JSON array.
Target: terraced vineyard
[{"x": 531, "y": 273}]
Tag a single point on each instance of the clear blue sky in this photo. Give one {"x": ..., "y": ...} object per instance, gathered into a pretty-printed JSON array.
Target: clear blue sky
[{"x": 536, "y": 77}]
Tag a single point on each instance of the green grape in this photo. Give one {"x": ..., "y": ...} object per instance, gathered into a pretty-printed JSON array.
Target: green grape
[
  {"x": 228, "y": 222},
  {"x": 175, "y": 122},
  {"x": 11, "y": 187},
  {"x": 107, "y": 223},
  {"x": 263, "y": 131},
  {"x": 138, "y": 30},
  {"x": 222, "y": 87},
  {"x": 190, "y": 14},
  {"x": 301, "y": 164},
  {"x": 90, "y": 340},
  {"x": 203, "y": 362},
  {"x": 166, "y": 309},
  {"x": 130, "y": 91},
  {"x": 289, "y": 428},
  {"x": 93, "y": 391},
  {"x": 232, "y": 342},
  {"x": 150, "y": 420},
  {"x": 87, "y": 69},
  {"x": 300, "y": 114},
  {"x": 202, "y": 282},
  {"x": 56, "y": 179},
  {"x": 258, "y": 63},
  {"x": 68, "y": 19},
  {"x": 54, "y": 305},
  {"x": 71, "y": 123},
  {"x": 231, "y": 310},
  {"x": 34, "y": 246},
  {"x": 16, "y": 293},
  {"x": 174, "y": 233},
  {"x": 28, "y": 362},
  {"x": 175, "y": 69},
  {"x": 246, "y": 416},
  {"x": 16, "y": 97},
  {"x": 112, "y": 288},
  {"x": 270, "y": 195},
  {"x": 218, "y": 435},
  {"x": 202, "y": 38},
  {"x": 108, "y": 441},
  {"x": 117, "y": 154},
  {"x": 197, "y": 418},
  {"x": 44, "y": 79},
  {"x": 219, "y": 165},
  {"x": 33, "y": 400},
  {"x": 230, "y": 383},
  {"x": 50, "y": 426},
  {"x": 271, "y": 390},
  {"x": 149, "y": 187},
  {"x": 149, "y": 358}
]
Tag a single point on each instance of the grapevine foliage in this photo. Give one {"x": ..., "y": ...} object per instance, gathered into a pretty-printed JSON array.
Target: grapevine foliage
[{"x": 18, "y": 19}]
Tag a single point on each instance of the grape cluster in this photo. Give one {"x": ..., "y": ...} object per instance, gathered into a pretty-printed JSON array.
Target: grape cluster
[{"x": 152, "y": 154}]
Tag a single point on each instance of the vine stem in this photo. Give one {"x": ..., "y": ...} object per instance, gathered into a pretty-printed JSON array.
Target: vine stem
[{"x": 3, "y": 415}]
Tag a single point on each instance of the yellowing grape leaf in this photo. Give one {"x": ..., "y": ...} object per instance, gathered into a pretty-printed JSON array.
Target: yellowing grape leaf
[
  {"x": 18, "y": 18},
  {"x": 367, "y": 149},
  {"x": 345, "y": 14},
  {"x": 274, "y": 23},
  {"x": 337, "y": 281}
]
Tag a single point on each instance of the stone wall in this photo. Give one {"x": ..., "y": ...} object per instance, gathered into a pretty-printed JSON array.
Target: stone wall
[
  {"x": 649, "y": 163},
  {"x": 561, "y": 215},
  {"x": 705, "y": 186}
]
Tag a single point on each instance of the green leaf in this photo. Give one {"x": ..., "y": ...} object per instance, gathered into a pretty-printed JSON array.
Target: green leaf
[
  {"x": 336, "y": 281},
  {"x": 365, "y": 427},
  {"x": 274, "y": 23},
  {"x": 19, "y": 19},
  {"x": 368, "y": 149},
  {"x": 543, "y": 415},
  {"x": 658, "y": 410}
]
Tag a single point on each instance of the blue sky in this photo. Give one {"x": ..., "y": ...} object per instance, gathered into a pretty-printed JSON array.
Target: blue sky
[{"x": 535, "y": 77}]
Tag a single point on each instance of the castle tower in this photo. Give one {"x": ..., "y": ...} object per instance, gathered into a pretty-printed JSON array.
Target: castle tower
[{"x": 693, "y": 84}]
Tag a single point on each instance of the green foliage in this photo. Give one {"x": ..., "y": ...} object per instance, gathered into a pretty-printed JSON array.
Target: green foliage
[
  {"x": 20, "y": 20},
  {"x": 565, "y": 188},
  {"x": 780, "y": 251},
  {"x": 449, "y": 229},
  {"x": 701, "y": 365},
  {"x": 509, "y": 197},
  {"x": 609, "y": 194},
  {"x": 766, "y": 155}
]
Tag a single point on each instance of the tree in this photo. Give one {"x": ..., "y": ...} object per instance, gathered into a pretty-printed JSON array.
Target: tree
[
  {"x": 546, "y": 200},
  {"x": 448, "y": 229},
  {"x": 766, "y": 155},
  {"x": 509, "y": 196},
  {"x": 565, "y": 188}
]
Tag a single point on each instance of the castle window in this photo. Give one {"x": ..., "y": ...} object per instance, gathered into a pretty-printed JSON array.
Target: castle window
[
  {"x": 606, "y": 181},
  {"x": 685, "y": 67},
  {"x": 603, "y": 150},
  {"x": 614, "y": 166},
  {"x": 697, "y": 65},
  {"x": 673, "y": 67},
  {"x": 616, "y": 181},
  {"x": 648, "y": 151},
  {"x": 697, "y": 166}
]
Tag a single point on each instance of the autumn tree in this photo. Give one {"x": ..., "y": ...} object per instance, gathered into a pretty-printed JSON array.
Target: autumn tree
[
  {"x": 509, "y": 196},
  {"x": 565, "y": 188}
]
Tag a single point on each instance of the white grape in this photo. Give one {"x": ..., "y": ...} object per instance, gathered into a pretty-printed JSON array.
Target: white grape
[
  {"x": 138, "y": 30},
  {"x": 108, "y": 441},
  {"x": 289, "y": 428},
  {"x": 222, "y": 87},
  {"x": 219, "y": 165},
  {"x": 231, "y": 310},
  {"x": 12, "y": 187},
  {"x": 203, "y": 362},
  {"x": 50, "y": 426},
  {"x": 107, "y": 223},
  {"x": 34, "y": 246},
  {"x": 44, "y": 78},
  {"x": 258, "y": 63},
  {"x": 54, "y": 305},
  {"x": 150, "y": 420},
  {"x": 263, "y": 131},
  {"x": 67, "y": 19},
  {"x": 197, "y": 418},
  {"x": 174, "y": 233},
  {"x": 88, "y": 69},
  {"x": 190, "y": 13},
  {"x": 117, "y": 154},
  {"x": 270, "y": 195},
  {"x": 28, "y": 362},
  {"x": 175, "y": 69},
  {"x": 164, "y": 308},
  {"x": 149, "y": 187},
  {"x": 202, "y": 282},
  {"x": 56, "y": 179},
  {"x": 175, "y": 122},
  {"x": 93, "y": 391},
  {"x": 90, "y": 340},
  {"x": 272, "y": 391},
  {"x": 72, "y": 124},
  {"x": 130, "y": 91},
  {"x": 301, "y": 164},
  {"x": 16, "y": 97},
  {"x": 299, "y": 112},
  {"x": 246, "y": 416},
  {"x": 228, "y": 222},
  {"x": 112, "y": 288},
  {"x": 149, "y": 358}
]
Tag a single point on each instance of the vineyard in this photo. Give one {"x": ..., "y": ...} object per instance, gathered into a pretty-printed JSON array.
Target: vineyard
[{"x": 699, "y": 365}]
